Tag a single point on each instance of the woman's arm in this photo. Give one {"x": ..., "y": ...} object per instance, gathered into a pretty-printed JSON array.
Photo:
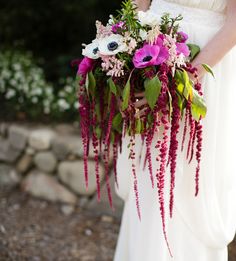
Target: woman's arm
[
  {"x": 142, "y": 5},
  {"x": 221, "y": 43}
]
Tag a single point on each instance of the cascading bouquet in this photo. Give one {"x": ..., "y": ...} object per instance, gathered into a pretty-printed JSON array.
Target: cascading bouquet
[{"x": 135, "y": 52}]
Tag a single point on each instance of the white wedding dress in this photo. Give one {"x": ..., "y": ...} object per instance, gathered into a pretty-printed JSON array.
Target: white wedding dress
[{"x": 202, "y": 226}]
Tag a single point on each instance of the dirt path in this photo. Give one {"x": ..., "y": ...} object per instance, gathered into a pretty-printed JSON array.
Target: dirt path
[{"x": 34, "y": 230}]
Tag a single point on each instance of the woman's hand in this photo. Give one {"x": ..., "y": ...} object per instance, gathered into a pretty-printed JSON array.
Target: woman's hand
[{"x": 141, "y": 104}]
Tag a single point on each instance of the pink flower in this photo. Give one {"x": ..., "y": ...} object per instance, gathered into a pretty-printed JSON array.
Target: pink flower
[
  {"x": 150, "y": 55},
  {"x": 117, "y": 27},
  {"x": 182, "y": 37},
  {"x": 85, "y": 66},
  {"x": 182, "y": 48}
]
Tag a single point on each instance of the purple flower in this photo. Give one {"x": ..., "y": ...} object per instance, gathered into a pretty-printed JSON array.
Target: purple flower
[
  {"x": 182, "y": 37},
  {"x": 182, "y": 48},
  {"x": 85, "y": 66},
  {"x": 116, "y": 27},
  {"x": 150, "y": 55}
]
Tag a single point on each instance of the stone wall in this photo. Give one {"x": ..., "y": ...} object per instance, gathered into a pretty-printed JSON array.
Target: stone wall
[{"x": 47, "y": 162}]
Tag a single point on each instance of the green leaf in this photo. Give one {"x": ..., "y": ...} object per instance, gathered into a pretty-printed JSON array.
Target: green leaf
[
  {"x": 98, "y": 132},
  {"x": 112, "y": 137},
  {"x": 112, "y": 86},
  {"x": 208, "y": 69},
  {"x": 198, "y": 106},
  {"x": 90, "y": 83},
  {"x": 188, "y": 88},
  {"x": 117, "y": 122},
  {"x": 126, "y": 96},
  {"x": 138, "y": 127},
  {"x": 194, "y": 51},
  {"x": 152, "y": 90},
  {"x": 180, "y": 102},
  {"x": 97, "y": 110}
]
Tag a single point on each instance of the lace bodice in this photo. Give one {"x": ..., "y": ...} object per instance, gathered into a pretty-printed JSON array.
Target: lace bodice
[{"x": 213, "y": 5}]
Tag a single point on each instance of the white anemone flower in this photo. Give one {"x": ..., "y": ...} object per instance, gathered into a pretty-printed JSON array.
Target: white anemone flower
[
  {"x": 148, "y": 18},
  {"x": 112, "y": 44},
  {"x": 91, "y": 50}
]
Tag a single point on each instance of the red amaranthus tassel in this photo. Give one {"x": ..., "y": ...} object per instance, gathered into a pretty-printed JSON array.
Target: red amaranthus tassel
[
  {"x": 176, "y": 115},
  {"x": 95, "y": 142},
  {"x": 84, "y": 110},
  {"x": 161, "y": 173},
  {"x": 132, "y": 156},
  {"x": 111, "y": 116},
  {"x": 149, "y": 134},
  {"x": 187, "y": 111},
  {"x": 192, "y": 132},
  {"x": 198, "y": 155}
]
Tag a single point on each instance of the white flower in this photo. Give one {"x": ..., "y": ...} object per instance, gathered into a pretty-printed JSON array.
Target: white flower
[
  {"x": 10, "y": 93},
  {"x": 148, "y": 18},
  {"x": 34, "y": 100},
  {"x": 63, "y": 105},
  {"x": 143, "y": 34},
  {"x": 112, "y": 45},
  {"x": 91, "y": 50},
  {"x": 111, "y": 20}
]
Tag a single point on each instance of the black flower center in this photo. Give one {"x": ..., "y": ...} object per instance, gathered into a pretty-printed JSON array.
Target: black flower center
[
  {"x": 112, "y": 46},
  {"x": 95, "y": 50},
  {"x": 147, "y": 58}
]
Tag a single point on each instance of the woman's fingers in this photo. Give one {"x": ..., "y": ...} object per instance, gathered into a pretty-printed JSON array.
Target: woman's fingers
[{"x": 140, "y": 113}]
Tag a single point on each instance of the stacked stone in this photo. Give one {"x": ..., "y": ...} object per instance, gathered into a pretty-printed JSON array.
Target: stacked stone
[{"x": 48, "y": 163}]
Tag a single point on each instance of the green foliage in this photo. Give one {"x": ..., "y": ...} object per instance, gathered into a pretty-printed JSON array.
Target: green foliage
[
  {"x": 126, "y": 96},
  {"x": 169, "y": 24},
  {"x": 194, "y": 51},
  {"x": 186, "y": 92},
  {"x": 128, "y": 13},
  {"x": 112, "y": 86},
  {"x": 25, "y": 93},
  {"x": 152, "y": 90},
  {"x": 208, "y": 69}
]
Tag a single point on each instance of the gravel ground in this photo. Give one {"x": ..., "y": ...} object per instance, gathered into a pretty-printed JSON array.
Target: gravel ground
[
  {"x": 34, "y": 230},
  {"x": 31, "y": 229}
]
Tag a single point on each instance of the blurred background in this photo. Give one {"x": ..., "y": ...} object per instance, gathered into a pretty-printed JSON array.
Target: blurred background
[{"x": 45, "y": 211}]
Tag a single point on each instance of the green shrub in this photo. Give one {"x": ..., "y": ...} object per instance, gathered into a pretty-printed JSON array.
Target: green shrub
[{"x": 24, "y": 92}]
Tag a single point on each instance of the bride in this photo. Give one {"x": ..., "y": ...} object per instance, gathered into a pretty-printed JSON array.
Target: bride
[{"x": 202, "y": 226}]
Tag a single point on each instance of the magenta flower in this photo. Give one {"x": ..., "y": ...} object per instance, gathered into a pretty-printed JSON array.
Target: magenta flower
[
  {"x": 85, "y": 66},
  {"x": 150, "y": 55},
  {"x": 116, "y": 27},
  {"x": 182, "y": 37},
  {"x": 182, "y": 48}
]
